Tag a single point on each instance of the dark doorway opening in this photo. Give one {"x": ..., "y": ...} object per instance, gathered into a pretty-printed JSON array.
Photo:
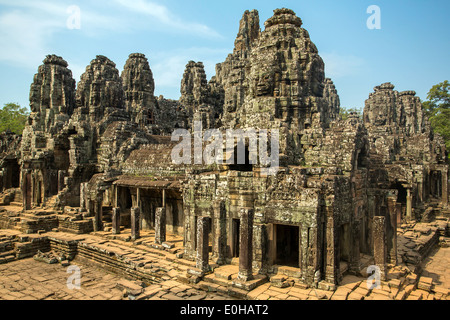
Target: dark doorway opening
[
  {"x": 344, "y": 242},
  {"x": 235, "y": 226},
  {"x": 287, "y": 245},
  {"x": 401, "y": 197},
  {"x": 13, "y": 170},
  {"x": 237, "y": 163}
]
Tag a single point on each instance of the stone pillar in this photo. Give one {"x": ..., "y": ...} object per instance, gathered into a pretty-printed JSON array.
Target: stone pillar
[
  {"x": 379, "y": 244},
  {"x": 98, "y": 215},
  {"x": 138, "y": 198},
  {"x": 116, "y": 196},
  {"x": 261, "y": 247},
  {"x": 26, "y": 189},
  {"x": 61, "y": 176},
  {"x": 116, "y": 220},
  {"x": 408, "y": 205},
  {"x": 203, "y": 244},
  {"x": 332, "y": 271},
  {"x": 160, "y": 225},
  {"x": 135, "y": 219},
  {"x": 398, "y": 208},
  {"x": 83, "y": 190},
  {"x": 246, "y": 245},
  {"x": 392, "y": 208},
  {"x": 354, "y": 265},
  {"x": 163, "y": 198},
  {"x": 90, "y": 207},
  {"x": 445, "y": 187},
  {"x": 220, "y": 226}
]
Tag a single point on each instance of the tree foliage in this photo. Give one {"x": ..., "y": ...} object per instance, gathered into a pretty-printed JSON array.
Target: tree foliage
[
  {"x": 437, "y": 107},
  {"x": 13, "y": 118},
  {"x": 345, "y": 113}
]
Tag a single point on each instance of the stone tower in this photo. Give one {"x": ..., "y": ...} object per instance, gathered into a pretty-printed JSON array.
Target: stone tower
[{"x": 139, "y": 87}]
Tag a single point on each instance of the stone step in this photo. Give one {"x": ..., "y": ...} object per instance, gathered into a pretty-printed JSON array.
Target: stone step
[
  {"x": 7, "y": 253},
  {"x": 211, "y": 278},
  {"x": 291, "y": 272},
  {"x": 5, "y": 245},
  {"x": 7, "y": 258}
]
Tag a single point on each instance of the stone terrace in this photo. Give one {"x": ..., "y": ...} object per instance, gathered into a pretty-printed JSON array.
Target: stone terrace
[{"x": 118, "y": 268}]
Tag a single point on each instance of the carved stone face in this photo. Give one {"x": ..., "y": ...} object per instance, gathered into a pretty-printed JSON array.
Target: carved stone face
[
  {"x": 317, "y": 79},
  {"x": 380, "y": 119},
  {"x": 265, "y": 84}
]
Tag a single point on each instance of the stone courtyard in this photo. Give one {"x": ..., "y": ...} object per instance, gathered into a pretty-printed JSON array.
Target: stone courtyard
[
  {"x": 29, "y": 279},
  {"x": 32, "y": 280}
]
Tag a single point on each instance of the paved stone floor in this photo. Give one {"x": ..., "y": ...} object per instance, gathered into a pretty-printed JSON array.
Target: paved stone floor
[
  {"x": 437, "y": 267},
  {"x": 32, "y": 280},
  {"x": 29, "y": 279}
]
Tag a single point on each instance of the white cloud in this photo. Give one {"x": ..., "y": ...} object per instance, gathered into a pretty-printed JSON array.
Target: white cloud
[
  {"x": 22, "y": 37},
  {"x": 27, "y": 28},
  {"x": 163, "y": 15},
  {"x": 339, "y": 66}
]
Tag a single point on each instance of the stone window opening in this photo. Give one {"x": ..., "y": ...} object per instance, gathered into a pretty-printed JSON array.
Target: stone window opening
[{"x": 361, "y": 158}]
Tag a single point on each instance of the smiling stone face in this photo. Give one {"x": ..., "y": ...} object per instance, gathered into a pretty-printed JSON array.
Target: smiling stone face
[{"x": 265, "y": 84}]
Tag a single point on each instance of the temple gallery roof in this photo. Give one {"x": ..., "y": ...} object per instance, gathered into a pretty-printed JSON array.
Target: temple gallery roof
[{"x": 149, "y": 182}]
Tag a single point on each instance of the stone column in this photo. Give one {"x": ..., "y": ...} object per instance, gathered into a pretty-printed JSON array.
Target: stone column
[
  {"x": 398, "y": 208},
  {"x": 1, "y": 180},
  {"x": 220, "y": 226},
  {"x": 116, "y": 196},
  {"x": 90, "y": 208},
  {"x": 160, "y": 225},
  {"x": 163, "y": 198},
  {"x": 379, "y": 244},
  {"x": 98, "y": 217},
  {"x": 138, "y": 198},
  {"x": 246, "y": 245},
  {"x": 332, "y": 271},
  {"x": 261, "y": 247},
  {"x": 83, "y": 189},
  {"x": 116, "y": 220},
  {"x": 26, "y": 189},
  {"x": 135, "y": 219},
  {"x": 392, "y": 208},
  {"x": 61, "y": 176},
  {"x": 354, "y": 264},
  {"x": 408, "y": 205},
  {"x": 203, "y": 244},
  {"x": 445, "y": 187}
]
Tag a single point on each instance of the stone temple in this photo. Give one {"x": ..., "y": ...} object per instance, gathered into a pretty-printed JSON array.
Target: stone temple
[{"x": 95, "y": 162}]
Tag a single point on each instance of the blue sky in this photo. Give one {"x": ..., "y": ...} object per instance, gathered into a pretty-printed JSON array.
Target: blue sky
[{"x": 411, "y": 49}]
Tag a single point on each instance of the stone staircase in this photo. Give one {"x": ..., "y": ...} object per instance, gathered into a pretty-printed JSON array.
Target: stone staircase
[
  {"x": 7, "y": 252},
  {"x": 224, "y": 280}
]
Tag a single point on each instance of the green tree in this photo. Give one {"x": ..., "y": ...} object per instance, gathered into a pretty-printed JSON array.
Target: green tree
[
  {"x": 344, "y": 113},
  {"x": 437, "y": 107},
  {"x": 13, "y": 117}
]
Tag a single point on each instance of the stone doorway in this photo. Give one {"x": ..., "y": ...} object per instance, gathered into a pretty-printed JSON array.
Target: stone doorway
[
  {"x": 235, "y": 232},
  {"x": 287, "y": 245},
  {"x": 237, "y": 163},
  {"x": 28, "y": 191},
  {"x": 344, "y": 246}
]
